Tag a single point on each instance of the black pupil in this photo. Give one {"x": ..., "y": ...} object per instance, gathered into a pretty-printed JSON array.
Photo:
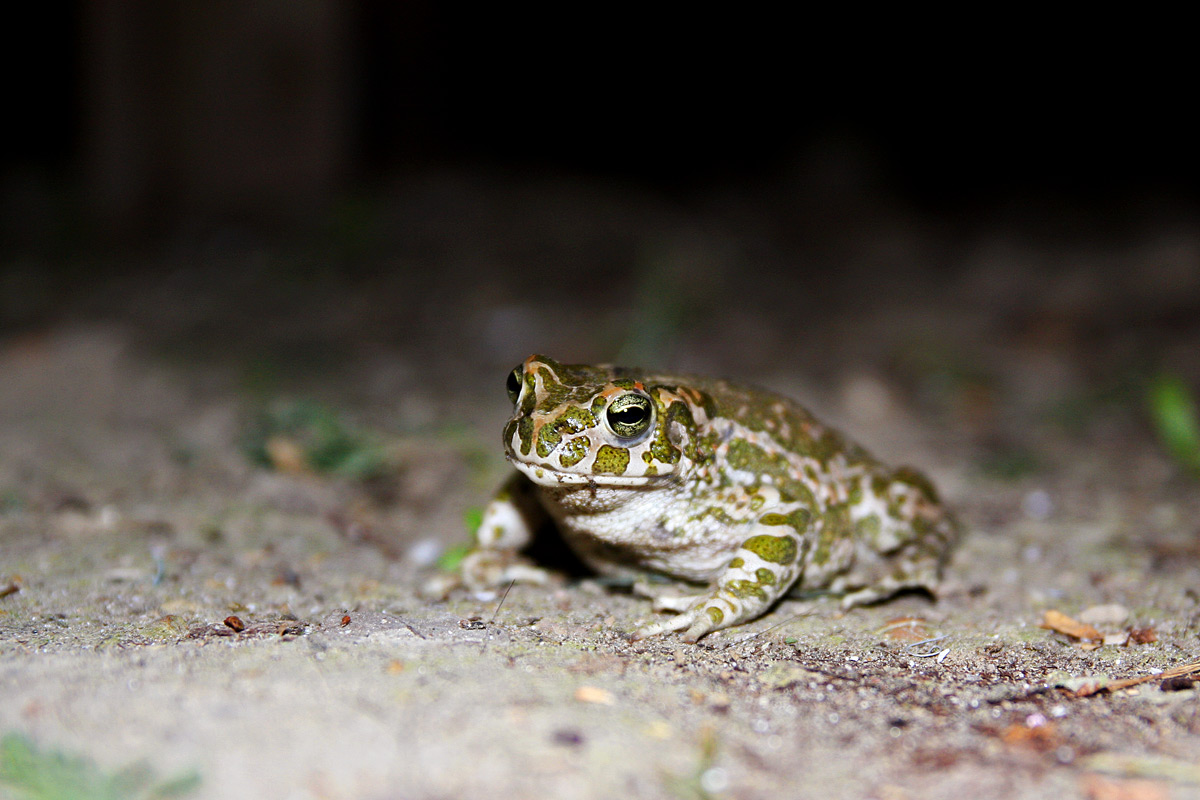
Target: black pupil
[
  {"x": 514, "y": 384},
  {"x": 630, "y": 415}
]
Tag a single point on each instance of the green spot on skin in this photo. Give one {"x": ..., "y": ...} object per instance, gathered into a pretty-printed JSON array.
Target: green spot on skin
[
  {"x": 575, "y": 419},
  {"x": 744, "y": 589},
  {"x": 789, "y": 487},
  {"x": 525, "y": 433},
  {"x": 716, "y": 512},
  {"x": 913, "y": 478},
  {"x": 747, "y": 457},
  {"x": 737, "y": 563},
  {"x": 798, "y": 519},
  {"x": 835, "y": 527},
  {"x": 548, "y": 439},
  {"x": 868, "y": 527},
  {"x": 613, "y": 460},
  {"x": 673, "y": 418},
  {"x": 574, "y": 451},
  {"x": 715, "y": 614},
  {"x": 765, "y": 576},
  {"x": 829, "y": 445},
  {"x": 571, "y": 421},
  {"x": 775, "y": 549}
]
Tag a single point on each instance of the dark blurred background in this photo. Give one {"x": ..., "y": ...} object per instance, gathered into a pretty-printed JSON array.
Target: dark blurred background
[
  {"x": 265, "y": 112},
  {"x": 492, "y": 164}
]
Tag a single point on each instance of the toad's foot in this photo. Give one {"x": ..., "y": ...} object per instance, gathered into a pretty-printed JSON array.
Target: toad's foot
[
  {"x": 702, "y": 614},
  {"x": 485, "y": 570},
  {"x": 695, "y": 619},
  {"x": 481, "y": 576},
  {"x": 761, "y": 571},
  {"x": 666, "y": 602}
]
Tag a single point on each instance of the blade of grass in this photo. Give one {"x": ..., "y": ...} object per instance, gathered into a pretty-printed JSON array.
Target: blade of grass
[{"x": 1173, "y": 412}]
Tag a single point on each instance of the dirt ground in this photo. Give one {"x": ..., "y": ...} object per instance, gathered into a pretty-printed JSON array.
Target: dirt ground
[{"x": 162, "y": 417}]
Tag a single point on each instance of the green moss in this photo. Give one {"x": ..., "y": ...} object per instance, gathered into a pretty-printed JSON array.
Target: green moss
[
  {"x": 28, "y": 772},
  {"x": 325, "y": 441},
  {"x": 167, "y": 629}
]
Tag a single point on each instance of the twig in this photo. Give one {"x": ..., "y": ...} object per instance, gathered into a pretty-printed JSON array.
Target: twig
[
  {"x": 941, "y": 654},
  {"x": 1113, "y": 686},
  {"x": 930, "y": 641},
  {"x": 503, "y": 597},
  {"x": 776, "y": 626},
  {"x": 413, "y": 630},
  {"x": 488, "y": 636}
]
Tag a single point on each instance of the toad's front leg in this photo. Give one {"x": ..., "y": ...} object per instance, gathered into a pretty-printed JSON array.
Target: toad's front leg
[
  {"x": 509, "y": 523},
  {"x": 762, "y": 570}
]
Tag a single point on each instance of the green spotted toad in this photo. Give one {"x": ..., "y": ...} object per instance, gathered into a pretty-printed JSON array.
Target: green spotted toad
[{"x": 703, "y": 480}]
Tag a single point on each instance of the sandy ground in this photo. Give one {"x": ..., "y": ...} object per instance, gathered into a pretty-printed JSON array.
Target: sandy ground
[{"x": 134, "y": 521}]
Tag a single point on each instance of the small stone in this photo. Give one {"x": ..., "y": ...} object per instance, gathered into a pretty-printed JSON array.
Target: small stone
[
  {"x": 567, "y": 737},
  {"x": 1110, "y": 614}
]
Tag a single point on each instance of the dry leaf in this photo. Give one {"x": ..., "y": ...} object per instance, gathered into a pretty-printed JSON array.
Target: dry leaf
[
  {"x": 905, "y": 629},
  {"x": 1043, "y": 737},
  {"x": 287, "y": 455},
  {"x": 594, "y": 694},
  {"x": 1098, "y": 787},
  {"x": 1061, "y": 623},
  {"x": 1143, "y": 635}
]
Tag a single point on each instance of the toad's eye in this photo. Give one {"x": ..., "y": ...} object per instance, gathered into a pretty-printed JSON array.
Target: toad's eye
[
  {"x": 514, "y": 383},
  {"x": 630, "y": 415}
]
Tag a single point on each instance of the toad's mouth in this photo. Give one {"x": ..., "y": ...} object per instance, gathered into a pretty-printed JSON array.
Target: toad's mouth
[{"x": 544, "y": 475}]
